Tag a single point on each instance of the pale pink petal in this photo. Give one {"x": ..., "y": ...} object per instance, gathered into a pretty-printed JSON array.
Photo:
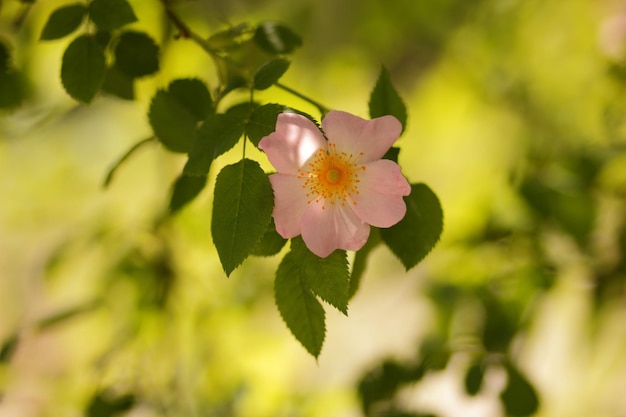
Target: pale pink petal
[
  {"x": 290, "y": 201},
  {"x": 352, "y": 134},
  {"x": 379, "y": 201},
  {"x": 325, "y": 229},
  {"x": 296, "y": 138}
]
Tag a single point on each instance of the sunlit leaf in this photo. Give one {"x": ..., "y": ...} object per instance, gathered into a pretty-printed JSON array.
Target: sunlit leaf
[
  {"x": 262, "y": 121},
  {"x": 299, "y": 308},
  {"x": 186, "y": 188},
  {"x": 385, "y": 100},
  {"x": 519, "y": 397},
  {"x": 242, "y": 208},
  {"x": 137, "y": 54},
  {"x": 194, "y": 95},
  {"x": 417, "y": 233},
  {"x": 63, "y": 21},
  {"x": 118, "y": 83},
  {"x": 218, "y": 134},
  {"x": 270, "y": 73},
  {"x": 276, "y": 38},
  {"x": 83, "y": 68},
  {"x": 111, "y": 14}
]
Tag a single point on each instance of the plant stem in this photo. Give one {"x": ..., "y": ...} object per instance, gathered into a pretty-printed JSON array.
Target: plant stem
[{"x": 322, "y": 109}]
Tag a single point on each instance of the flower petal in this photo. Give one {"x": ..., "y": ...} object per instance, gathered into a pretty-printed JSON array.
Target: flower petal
[
  {"x": 379, "y": 201},
  {"x": 352, "y": 134},
  {"x": 290, "y": 202},
  {"x": 330, "y": 227},
  {"x": 296, "y": 138}
]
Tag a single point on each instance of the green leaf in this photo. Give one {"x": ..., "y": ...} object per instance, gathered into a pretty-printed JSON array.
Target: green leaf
[
  {"x": 271, "y": 243},
  {"x": 297, "y": 305},
  {"x": 417, "y": 233},
  {"x": 218, "y": 134},
  {"x": 7, "y": 349},
  {"x": 262, "y": 121},
  {"x": 519, "y": 396},
  {"x": 63, "y": 21},
  {"x": 83, "y": 68},
  {"x": 385, "y": 100},
  {"x": 186, "y": 188},
  {"x": 103, "y": 405},
  {"x": 119, "y": 84},
  {"x": 11, "y": 89},
  {"x": 360, "y": 260},
  {"x": 171, "y": 122},
  {"x": 270, "y": 72},
  {"x": 474, "y": 378},
  {"x": 276, "y": 38},
  {"x": 103, "y": 37},
  {"x": 137, "y": 54},
  {"x": 194, "y": 95},
  {"x": 328, "y": 278},
  {"x": 111, "y": 14},
  {"x": 5, "y": 57},
  {"x": 242, "y": 208}
]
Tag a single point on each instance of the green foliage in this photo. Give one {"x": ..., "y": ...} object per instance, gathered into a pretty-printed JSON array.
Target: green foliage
[
  {"x": 218, "y": 134},
  {"x": 359, "y": 264},
  {"x": 11, "y": 89},
  {"x": 385, "y": 100},
  {"x": 242, "y": 208},
  {"x": 175, "y": 113},
  {"x": 270, "y": 72},
  {"x": 118, "y": 83},
  {"x": 262, "y": 121},
  {"x": 271, "y": 243},
  {"x": 474, "y": 378},
  {"x": 111, "y": 14},
  {"x": 83, "y": 68},
  {"x": 8, "y": 348},
  {"x": 519, "y": 396},
  {"x": 186, "y": 188},
  {"x": 417, "y": 233},
  {"x": 276, "y": 38},
  {"x": 106, "y": 405},
  {"x": 63, "y": 21},
  {"x": 136, "y": 54}
]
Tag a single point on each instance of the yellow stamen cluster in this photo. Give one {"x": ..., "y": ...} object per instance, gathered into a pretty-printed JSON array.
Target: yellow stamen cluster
[{"x": 331, "y": 176}]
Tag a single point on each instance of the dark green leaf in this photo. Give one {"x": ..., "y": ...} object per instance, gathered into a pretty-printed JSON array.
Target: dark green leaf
[
  {"x": 392, "y": 154},
  {"x": 276, "y": 38},
  {"x": 186, "y": 188},
  {"x": 83, "y": 68},
  {"x": 328, "y": 277},
  {"x": 5, "y": 57},
  {"x": 242, "y": 208},
  {"x": 474, "y": 378},
  {"x": 218, "y": 134},
  {"x": 297, "y": 305},
  {"x": 360, "y": 260},
  {"x": 262, "y": 121},
  {"x": 194, "y": 95},
  {"x": 102, "y": 405},
  {"x": 63, "y": 21},
  {"x": 8, "y": 348},
  {"x": 171, "y": 122},
  {"x": 519, "y": 396},
  {"x": 271, "y": 243},
  {"x": 111, "y": 14},
  {"x": 11, "y": 89},
  {"x": 385, "y": 100},
  {"x": 103, "y": 37},
  {"x": 270, "y": 73},
  {"x": 418, "y": 232},
  {"x": 137, "y": 54},
  {"x": 119, "y": 84}
]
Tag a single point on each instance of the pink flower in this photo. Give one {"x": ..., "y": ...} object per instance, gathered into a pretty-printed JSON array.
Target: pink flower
[{"x": 331, "y": 191}]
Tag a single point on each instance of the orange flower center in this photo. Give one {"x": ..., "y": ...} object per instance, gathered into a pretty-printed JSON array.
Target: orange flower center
[{"x": 331, "y": 176}]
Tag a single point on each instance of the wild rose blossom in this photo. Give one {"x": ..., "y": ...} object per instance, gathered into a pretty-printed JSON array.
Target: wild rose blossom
[{"x": 331, "y": 190}]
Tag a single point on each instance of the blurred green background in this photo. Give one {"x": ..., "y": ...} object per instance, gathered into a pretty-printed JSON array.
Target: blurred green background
[{"x": 517, "y": 118}]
